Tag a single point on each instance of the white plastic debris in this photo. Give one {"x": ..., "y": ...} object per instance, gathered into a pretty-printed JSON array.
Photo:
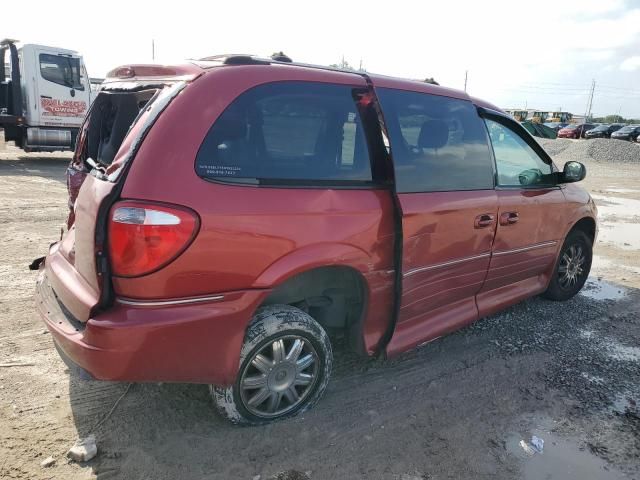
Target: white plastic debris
[
  {"x": 47, "y": 462},
  {"x": 84, "y": 449},
  {"x": 537, "y": 443},
  {"x": 527, "y": 449}
]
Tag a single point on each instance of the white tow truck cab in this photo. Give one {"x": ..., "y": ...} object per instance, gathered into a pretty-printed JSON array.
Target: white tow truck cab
[{"x": 45, "y": 93}]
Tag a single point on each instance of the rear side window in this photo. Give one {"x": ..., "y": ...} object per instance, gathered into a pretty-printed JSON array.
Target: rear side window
[
  {"x": 288, "y": 131},
  {"x": 62, "y": 70},
  {"x": 438, "y": 143}
]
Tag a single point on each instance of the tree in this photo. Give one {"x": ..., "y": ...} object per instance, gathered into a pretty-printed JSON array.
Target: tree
[
  {"x": 345, "y": 65},
  {"x": 613, "y": 119}
]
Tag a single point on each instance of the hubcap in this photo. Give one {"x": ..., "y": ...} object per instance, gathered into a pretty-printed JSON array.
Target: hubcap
[
  {"x": 572, "y": 266},
  {"x": 279, "y": 377}
]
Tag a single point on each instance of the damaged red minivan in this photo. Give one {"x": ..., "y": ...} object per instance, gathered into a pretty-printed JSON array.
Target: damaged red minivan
[{"x": 233, "y": 210}]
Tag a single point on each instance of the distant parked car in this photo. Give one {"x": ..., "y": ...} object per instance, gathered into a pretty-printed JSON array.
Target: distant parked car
[
  {"x": 557, "y": 126},
  {"x": 575, "y": 131},
  {"x": 630, "y": 132},
  {"x": 603, "y": 131}
]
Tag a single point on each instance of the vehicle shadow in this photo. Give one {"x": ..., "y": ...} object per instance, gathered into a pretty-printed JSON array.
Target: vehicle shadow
[{"x": 442, "y": 409}]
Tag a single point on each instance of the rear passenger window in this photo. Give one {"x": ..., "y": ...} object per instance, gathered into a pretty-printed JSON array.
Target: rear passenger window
[
  {"x": 288, "y": 131},
  {"x": 438, "y": 143}
]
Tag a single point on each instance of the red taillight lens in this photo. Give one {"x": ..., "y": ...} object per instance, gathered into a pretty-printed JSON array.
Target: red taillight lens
[{"x": 144, "y": 237}]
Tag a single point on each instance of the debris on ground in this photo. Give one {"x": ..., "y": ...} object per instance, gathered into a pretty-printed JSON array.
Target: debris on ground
[
  {"x": 537, "y": 443},
  {"x": 290, "y": 475},
  {"x": 47, "y": 462},
  {"x": 527, "y": 448},
  {"x": 16, "y": 364},
  {"x": 83, "y": 450}
]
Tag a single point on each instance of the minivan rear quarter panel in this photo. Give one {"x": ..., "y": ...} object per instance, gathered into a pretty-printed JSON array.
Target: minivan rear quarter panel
[{"x": 256, "y": 237}]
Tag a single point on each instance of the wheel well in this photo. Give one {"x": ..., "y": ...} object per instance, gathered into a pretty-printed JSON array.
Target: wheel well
[
  {"x": 586, "y": 225},
  {"x": 335, "y": 296}
]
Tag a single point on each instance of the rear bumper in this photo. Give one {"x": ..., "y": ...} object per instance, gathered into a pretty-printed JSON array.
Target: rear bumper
[{"x": 194, "y": 343}]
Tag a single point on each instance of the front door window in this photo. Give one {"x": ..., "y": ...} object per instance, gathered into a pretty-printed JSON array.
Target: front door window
[{"x": 517, "y": 164}]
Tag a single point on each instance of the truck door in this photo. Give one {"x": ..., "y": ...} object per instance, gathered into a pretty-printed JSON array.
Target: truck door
[
  {"x": 445, "y": 184},
  {"x": 62, "y": 89}
]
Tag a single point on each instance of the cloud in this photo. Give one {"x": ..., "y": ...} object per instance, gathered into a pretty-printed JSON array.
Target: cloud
[{"x": 631, "y": 64}]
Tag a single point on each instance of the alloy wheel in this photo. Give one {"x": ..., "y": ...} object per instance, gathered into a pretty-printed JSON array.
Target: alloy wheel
[
  {"x": 572, "y": 267},
  {"x": 279, "y": 376}
]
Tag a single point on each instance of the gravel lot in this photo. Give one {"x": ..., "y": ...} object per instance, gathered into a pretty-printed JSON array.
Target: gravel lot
[{"x": 456, "y": 408}]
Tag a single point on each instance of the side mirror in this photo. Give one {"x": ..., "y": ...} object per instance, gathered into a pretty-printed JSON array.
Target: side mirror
[{"x": 573, "y": 172}]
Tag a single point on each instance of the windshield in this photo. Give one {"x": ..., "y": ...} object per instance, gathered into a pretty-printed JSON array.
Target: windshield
[
  {"x": 625, "y": 130},
  {"x": 601, "y": 128},
  {"x": 570, "y": 127}
]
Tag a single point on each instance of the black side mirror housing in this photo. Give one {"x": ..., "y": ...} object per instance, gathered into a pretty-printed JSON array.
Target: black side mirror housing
[{"x": 573, "y": 172}]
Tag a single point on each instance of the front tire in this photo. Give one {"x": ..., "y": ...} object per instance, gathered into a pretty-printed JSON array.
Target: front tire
[
  {"x": 285, "y": 365},
  {"x": 572, "y": 267}
]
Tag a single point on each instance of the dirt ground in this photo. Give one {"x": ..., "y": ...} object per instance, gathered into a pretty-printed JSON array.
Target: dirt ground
[{"x": 458, "y": 408}]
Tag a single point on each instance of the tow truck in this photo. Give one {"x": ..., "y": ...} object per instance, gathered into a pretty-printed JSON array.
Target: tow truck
[{"x": 45, "y": 93}]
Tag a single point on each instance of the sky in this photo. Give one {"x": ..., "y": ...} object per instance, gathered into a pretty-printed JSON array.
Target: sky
[{"x": 536, "y": 54}]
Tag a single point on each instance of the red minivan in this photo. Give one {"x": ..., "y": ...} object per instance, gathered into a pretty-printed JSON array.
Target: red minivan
[{"x": 234, "y": 210}]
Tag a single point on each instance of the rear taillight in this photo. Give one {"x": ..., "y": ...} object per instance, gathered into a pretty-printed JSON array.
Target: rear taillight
[{"x": 144, "y": 237}]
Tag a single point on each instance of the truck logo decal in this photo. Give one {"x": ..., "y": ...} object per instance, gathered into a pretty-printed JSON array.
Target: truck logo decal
[{"x": 62, "y": 108}]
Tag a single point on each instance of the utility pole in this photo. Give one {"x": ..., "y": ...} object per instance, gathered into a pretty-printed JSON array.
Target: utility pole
[
  {"x": 466, "y": 72},
  {"x": 153, "y": 49},
  {"x": 587, "y": 113}
]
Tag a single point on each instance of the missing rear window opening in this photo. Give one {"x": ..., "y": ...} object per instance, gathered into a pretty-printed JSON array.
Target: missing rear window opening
[{"x": 111, "y": 117}]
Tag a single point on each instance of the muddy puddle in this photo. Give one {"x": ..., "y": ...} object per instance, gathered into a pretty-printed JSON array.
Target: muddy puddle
[
  {"x": 559, "y": 459},
  {"x": 620, "y": 234},
  {"x": 622, "y": 190},
  {"x": 599, "y": 289},
  {"x": 617, "y": 206}
]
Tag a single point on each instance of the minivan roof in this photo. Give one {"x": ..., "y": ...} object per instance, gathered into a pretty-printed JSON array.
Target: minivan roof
[{"x": 194, "y": 68}]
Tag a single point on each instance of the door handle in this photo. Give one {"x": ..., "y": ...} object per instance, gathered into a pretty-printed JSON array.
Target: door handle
[
  {"x": 509, "y": 218},
  {"x": 484, "y": 220}
]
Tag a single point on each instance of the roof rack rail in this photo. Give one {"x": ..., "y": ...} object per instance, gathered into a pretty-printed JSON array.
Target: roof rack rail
[
  {"x": 237, "y": 59},
  {"x": 248, "y": 59},
  {"x": 245, "y": 60}
]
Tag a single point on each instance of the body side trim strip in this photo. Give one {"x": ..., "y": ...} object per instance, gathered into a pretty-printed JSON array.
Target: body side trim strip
[
  {"x": 445, "y": 264},
  {"x": 527, "y": 248},
  {"x": 162, "y": 303}
]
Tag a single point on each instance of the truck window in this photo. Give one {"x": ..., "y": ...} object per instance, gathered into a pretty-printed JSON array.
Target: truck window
[
  {"x": 438, "y": 143},
  {"x": 287, "y": 131},
  {"x": 62, "y": 70}
]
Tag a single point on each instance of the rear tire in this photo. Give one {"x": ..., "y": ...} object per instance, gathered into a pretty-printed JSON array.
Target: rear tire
[
  {"x": 285, "y": 365},
  {"x": 572, "y": 267}
]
